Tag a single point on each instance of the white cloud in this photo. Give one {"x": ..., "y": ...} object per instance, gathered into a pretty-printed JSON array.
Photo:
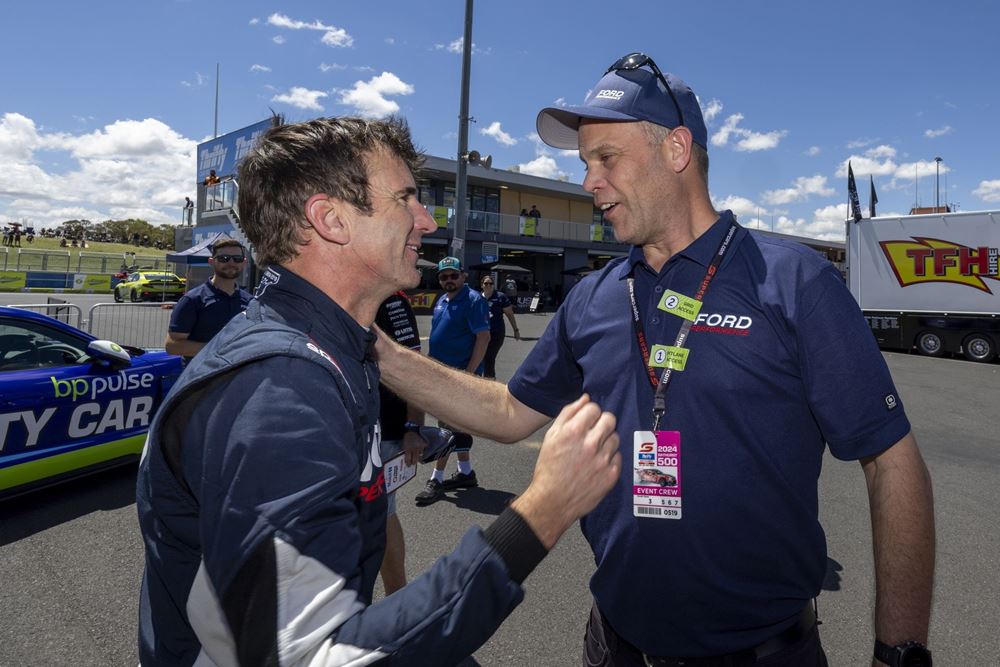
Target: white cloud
[
  {"x": 711, "y": 111},
  {"x": 804, "y": 187},
  {"x": 254, "y": 21},
  {"x": 934, "y": 134},
  {"x": 456, "y": 46},
  {"x": 860, "y": 143},
  {"x": 988, "y": 191},
  {"x": 332, "y": 35},
  {"x": 741, "y": 206},
  {"x": 813, "y": 151},
  {"x": 369, "y": 98},
  {"x": 331, "y": 67},
  {"x": 495, "y": 131},
  {"x": 337, "y": 38},
  {"x": 390, "y": 41},
  {"x": 749, "y": 141},
  {"x": 301, "y": 98},
  {"x": 880, "y": 151},
  {"x": 278, "y": 39},
  {"x": 544, "y": 166},
  {"x": 560, "y": 102},
  {"x": 568, "y": 152},
  {"x": 260, "y": 68},
  {"x": 760, "y": 141},
  {"x": 128, "y": 168},
  {"x": 827, "y": 224},
  {"x": 721, "y": 137}
]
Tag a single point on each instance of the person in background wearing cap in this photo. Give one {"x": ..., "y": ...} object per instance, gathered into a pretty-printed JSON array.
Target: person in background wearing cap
[
  {"x": 460, "y": 334},
  {"x": 261, "y": 491},
  {"x": 730, "y": 359}
]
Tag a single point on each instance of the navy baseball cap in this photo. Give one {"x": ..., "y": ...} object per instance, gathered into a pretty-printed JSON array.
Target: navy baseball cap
[{"x": 626, "y": 95}]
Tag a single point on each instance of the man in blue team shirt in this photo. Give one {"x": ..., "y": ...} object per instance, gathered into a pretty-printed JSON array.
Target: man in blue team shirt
[
  {"x": 203, "y": 311},
  {"x": 731, "y": 360},
  {"x": 261, "y": 493},
  {"x": 460, "y": 332}
]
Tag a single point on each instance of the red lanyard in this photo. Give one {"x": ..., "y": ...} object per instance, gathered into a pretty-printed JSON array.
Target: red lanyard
[{"x": 661, "y": 384}]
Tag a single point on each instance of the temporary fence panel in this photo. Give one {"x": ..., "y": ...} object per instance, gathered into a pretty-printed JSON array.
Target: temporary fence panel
[
  {"x": 64, "y": 312},
  {"x": 4, "y": 255},
  {"x": 136, "y": 324},
  {"x": 154, "y": 262},
  {"x": 42, "y": 260},
  {"x": 99, "y": 262}
]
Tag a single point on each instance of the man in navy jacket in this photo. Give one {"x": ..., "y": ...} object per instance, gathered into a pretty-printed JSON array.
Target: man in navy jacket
[{"x": 261, "y": 494}]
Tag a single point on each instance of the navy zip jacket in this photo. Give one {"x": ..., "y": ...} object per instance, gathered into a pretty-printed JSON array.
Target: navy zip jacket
[{"x": 262, "y": 508}]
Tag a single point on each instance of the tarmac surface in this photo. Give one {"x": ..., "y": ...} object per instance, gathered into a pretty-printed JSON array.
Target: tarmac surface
[{"x": 71, "y": 557}]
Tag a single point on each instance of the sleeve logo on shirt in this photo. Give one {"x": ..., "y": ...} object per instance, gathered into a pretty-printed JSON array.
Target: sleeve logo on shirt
[{"x": 890, "y": 402}]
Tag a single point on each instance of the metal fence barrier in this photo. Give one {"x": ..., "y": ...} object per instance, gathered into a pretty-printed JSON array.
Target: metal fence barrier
[
  {"x": 137, "y": 324},
  {"x": 4, "y": 257},
  {"x": 64, "y": 312},
  {"x": 42, "y": 260}
]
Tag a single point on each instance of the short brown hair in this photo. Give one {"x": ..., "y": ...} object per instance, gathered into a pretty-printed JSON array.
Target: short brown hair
[
  {"x": 226, "y": 243},
  {"x": 657, "y": 134},
  {"x": 293, "y": 162}
]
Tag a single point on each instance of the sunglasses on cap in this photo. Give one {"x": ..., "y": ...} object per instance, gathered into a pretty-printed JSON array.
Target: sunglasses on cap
[
  {"x": 638, "y": 60},
  {"x": 225, "y": 259},
  {"x": 448, "y": 276}
]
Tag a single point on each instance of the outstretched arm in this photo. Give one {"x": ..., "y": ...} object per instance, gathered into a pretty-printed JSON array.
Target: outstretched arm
[{"x": 419, "y": 380}]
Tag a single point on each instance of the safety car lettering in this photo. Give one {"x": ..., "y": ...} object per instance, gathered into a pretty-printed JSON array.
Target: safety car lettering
[
  {"x": 87, "y": 419},
  {"x": 32, "y": 424}
]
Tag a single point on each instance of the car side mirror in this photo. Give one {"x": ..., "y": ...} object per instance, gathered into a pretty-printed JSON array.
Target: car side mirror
[{"x": 112, "y": 353}]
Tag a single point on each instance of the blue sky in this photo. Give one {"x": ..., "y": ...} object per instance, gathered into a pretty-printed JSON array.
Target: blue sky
[{"x": 103, "y": 103}]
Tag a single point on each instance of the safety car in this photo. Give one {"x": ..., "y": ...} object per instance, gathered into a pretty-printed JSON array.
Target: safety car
[{"x": 71, "y": 404}]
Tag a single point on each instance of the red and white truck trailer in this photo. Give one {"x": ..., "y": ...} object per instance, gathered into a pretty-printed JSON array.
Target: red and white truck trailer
[{"x": 929, "y": 282}]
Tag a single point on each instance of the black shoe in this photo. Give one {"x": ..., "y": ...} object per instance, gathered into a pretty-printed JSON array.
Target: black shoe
[
  {"x": 460, "y": 480},
  {"x": 433, "y": 492}
]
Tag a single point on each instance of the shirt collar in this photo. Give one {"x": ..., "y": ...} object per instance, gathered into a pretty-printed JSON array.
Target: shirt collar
[
  {"x": 701, "y": 250},
  {"x": 306, "y": 308}
]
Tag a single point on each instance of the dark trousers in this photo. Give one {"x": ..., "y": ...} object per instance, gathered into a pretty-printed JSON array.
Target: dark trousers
[
  {"x": 603, "y": 647},
  {"x": 490, "y": 360}
]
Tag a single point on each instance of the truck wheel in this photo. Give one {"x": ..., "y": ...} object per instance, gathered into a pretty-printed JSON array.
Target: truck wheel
[
  {"x": 978, "y": 347},
  {"x": 930, "y": 344}
]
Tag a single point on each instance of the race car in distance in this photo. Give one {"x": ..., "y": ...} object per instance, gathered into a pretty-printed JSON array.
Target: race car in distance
[
  {"x": 654, "y": 476},
  {"x": 71, "y": 404},
  {"x": 150, "y": 286}
]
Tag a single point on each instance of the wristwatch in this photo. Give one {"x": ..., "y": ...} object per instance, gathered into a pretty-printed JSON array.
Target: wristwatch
[
  {"x": 412, "y": 427},
  {"x": 907, "y": 654}
]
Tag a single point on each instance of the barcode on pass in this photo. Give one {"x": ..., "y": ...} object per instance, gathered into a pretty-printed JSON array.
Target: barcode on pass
[{"x": 657, "y": 512}]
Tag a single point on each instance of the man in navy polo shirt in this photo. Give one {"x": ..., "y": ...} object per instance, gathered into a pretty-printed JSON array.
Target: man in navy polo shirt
[
  {"x": 460, "y": 333},
  {"x": 730, "y": 359},
  {"x": 203, "y": 311}
]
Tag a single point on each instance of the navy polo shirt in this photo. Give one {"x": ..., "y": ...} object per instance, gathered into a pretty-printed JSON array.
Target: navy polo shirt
[
  {"x": 203, "y": 311},
  {"x": 454, "y": 327},
  {"x": 498, "y": 301},
  {"x": 781, "y": 362}
]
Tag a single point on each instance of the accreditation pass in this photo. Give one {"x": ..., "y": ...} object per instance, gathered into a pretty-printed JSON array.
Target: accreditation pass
[{"x": 656, "y": 475}]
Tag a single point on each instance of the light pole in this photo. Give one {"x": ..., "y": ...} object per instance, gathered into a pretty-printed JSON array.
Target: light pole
[
  {"x": 461, "y": 177},
  {"x": 937, "y": 185}
]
